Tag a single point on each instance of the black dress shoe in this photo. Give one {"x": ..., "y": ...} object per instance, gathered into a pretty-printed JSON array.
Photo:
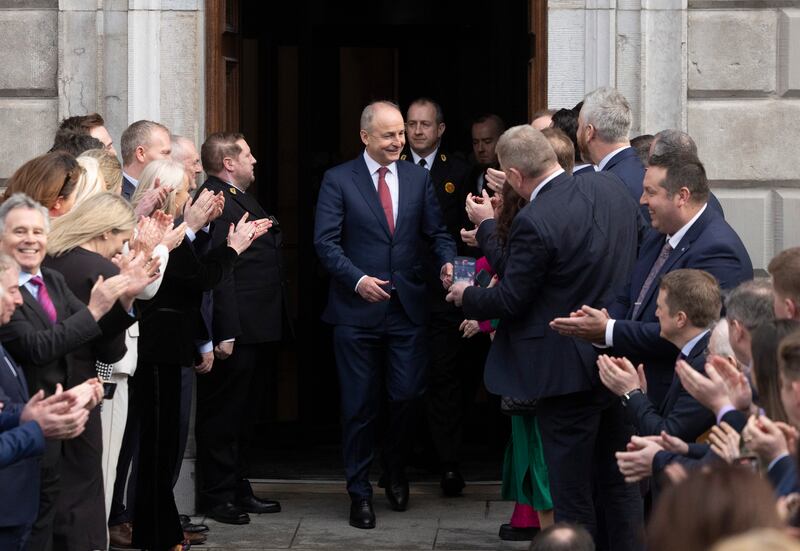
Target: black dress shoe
[
  {"x": 509, "y": 533},
  {"x": 188, "y": 526},
  {"x": 452, "y": 483},
  {"x": 361, "y": 514},
  {"x": 228, "y": 513},
  {"x": 252, "y": 504},
  {"x": 397, "y": 492}
]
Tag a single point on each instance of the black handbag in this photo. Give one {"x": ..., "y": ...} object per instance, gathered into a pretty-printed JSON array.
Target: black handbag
[{"x": 517, "y": 406}]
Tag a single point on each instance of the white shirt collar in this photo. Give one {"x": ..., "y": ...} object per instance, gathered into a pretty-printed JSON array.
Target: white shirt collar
[
  {"x": 689, "y": 346},
  {"x": 25, "y": 277},
  {"x": 373, "y": 165},
  {"x": 428, "y": 160},
  {"x": 602, "y": 164},
  {"x": 545, "y": 181},
  {"x": 576, "y": 168},
  {"x": 675, "y": 238},
  {"x": 132, "y": 180}
]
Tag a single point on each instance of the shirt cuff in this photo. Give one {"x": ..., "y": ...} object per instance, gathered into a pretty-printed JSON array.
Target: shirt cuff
[
  {"x": 358, "y": 283},
  {"x": 775, "y": 461},
  {"x": 724, "y": 410},
  {"x": 205, "y": 347},
  {"x": 190, "y": 235},
  {"x": 610, "y": 332},
  {"x": 229, "y": 340}
]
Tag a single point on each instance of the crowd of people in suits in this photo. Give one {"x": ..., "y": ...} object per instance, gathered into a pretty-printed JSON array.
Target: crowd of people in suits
[
  {"x": 121, "y": 284},
  {"x": 651, "y": 381}
]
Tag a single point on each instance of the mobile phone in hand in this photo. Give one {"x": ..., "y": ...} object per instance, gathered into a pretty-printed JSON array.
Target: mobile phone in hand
[{"x": 483, "y": 278}]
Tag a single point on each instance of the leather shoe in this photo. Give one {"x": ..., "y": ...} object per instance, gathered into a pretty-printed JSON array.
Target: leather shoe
[
  {"x": 361, "y": 514},
  {"x": 194, "y": 538},
  {"x": 252, "y": 504},
  {"x": 189, "y": 526},
  {"x": 121, "y": 535},
  {"x": 228, "y": 513},
  {"x": 397, "y": 492},
  {"x": 509, "y": 533},
  {"x": 452, "y": 483}
]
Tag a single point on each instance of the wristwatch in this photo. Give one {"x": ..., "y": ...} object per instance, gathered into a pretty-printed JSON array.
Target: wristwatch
[{"x": 625, "y": 398}]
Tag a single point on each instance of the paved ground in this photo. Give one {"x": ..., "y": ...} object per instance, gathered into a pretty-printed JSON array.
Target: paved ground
[{"x": 315, "y": 516}]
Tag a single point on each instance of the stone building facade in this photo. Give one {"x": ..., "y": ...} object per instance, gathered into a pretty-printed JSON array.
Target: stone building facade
[{"x": 726, "y": 71}]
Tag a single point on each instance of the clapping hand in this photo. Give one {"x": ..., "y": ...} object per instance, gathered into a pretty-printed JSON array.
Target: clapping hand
[
  {"x": 154, "y": 198},
  {"x": 636, "y": 463},
  {"x": 495, "y": 179},
  {"x": 768, "y": 439},
  {"x": 105, "y": 293},
  {"x": 619, "y": 375},
  {"x": 197, "y": 213},
  {"x": 241, "y": 236},
  {"x": 479, "y": 208},
  {"x": 468, "y": 237},
  {"x": 469, "y": 328},
  {"x": 59, "y": 416},
  {"x": 587, "y": 323},
  {"x": 711, "y": 391},
  {"x": 739, "y": 392}
]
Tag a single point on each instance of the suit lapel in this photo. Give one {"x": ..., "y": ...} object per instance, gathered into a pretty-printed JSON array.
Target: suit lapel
[
  {"x": 7, "y": 363},
  {"x": 250, "y": 204},
  {"x": 363, "y": 182},
  {"x": 404, "y": 193}
]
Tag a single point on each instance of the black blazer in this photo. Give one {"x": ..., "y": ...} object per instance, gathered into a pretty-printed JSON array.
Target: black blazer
[
  {"x": 45, "y": 350},
  {"x": 248, "y": 304},
  {"x": 171, "y": 321},
  {"x": 679, "y": 414},
  {"x": 565, "y": 249}
]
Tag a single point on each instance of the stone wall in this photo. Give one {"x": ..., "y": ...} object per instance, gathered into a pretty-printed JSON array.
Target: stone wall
[{"x": 726, "y": 71}]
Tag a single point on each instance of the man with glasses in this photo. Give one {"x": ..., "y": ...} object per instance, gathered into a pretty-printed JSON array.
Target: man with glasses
[{"x": 375, "y": 214}]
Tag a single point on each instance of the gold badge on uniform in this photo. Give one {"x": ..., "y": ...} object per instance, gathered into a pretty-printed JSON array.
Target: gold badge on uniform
[
  {"x": 443, "y": 157},
  {"x": 449, "y": 187},
  {"x": 232, "y": 190},
  {"x": 403, "y": 157}
]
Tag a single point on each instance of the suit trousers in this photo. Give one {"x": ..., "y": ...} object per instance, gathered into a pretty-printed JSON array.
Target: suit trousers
[
  {"x": 114, "y": 416},
  {"x": 227, "y": 401},
  {"x": 41, "y": 538},
  {"x": 187, "y": 390},
  {"x": 157, "y": 526},
  {"x": 395, "y": 354},
  {"x": 581, "y": 432},
  {"x": 13, "y": 538},
  {"x": 455, "y": 370}
]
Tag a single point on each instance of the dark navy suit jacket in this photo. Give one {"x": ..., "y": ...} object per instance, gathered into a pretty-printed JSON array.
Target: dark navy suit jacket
[
  {"x": 19, "y": 480},
  {"x": 352, "y": 239},
  {"x": 128, "y": 189},
  {"x": 629, "y": 168},
  {"x": 710, "y": 245},
  {"x": 679, "y": 414},
  {"x": 565, "y": 249}
]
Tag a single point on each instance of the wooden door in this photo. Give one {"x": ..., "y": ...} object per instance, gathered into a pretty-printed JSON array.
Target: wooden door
[
  {"x": 537, "y": 62},
  {"x": 223, "y": 52}
]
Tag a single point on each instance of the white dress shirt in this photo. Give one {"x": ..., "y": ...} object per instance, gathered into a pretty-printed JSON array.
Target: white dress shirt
[{"x": 428, "y": 160}]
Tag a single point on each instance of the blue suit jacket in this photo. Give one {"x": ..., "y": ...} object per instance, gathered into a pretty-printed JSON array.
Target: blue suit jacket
[
  {"x": 710, "y": 245},
  {"x": 679, "y": 415},
  {"x": 19, "y": 480},
  {"x": 352, "y": 239},
  {"x": 565, "y": 249},
  {"x": 629, "y": 168}
]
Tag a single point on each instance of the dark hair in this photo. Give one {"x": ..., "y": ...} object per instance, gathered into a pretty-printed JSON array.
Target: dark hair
[
  {"x": 789, "y": 356},
  {"x": 45, "y": 178},
  {"x": 642, "y": 146},
  {"x": 785, "y": 271},
  {"x": 82, "y": 123},
  {"x": 683, "y": 170},
  {"x": 764, "y": 350},
  {"x": 708, "y": 506},
  {"x": 566, "y": 120},
  {"x": 501, "y": 126},
  {"x": 438, "y": 108},
  {"x": 512, "y": 204},
  {"x": 563, "y": 536},
  {"x": 694, "y": 292},
  {"x": 218, "y": 146},
  {"x": 75, "y": 142}
]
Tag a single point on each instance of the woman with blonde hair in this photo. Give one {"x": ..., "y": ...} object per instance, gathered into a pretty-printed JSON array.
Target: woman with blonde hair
[
  {"x": 48, "y": 179},
  {"x": 110, "y": 168},
  {"x": 91, "y": 181},
  {"x": 169, "y": 175}
]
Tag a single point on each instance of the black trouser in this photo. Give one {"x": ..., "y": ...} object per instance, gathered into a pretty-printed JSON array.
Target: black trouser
[
  {"x": 158, "y": 387},
  {"x": 581, "y": 432},
  {"x": 187, "y": 386},
  {"x": 225, "y": 397}
]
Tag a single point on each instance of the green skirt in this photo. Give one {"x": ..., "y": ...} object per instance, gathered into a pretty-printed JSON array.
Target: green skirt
[{"x": 525, "y": 476}]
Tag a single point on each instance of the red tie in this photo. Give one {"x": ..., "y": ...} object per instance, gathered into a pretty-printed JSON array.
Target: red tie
[
  {"x": 386, "y": 198},
  {"x": 44, "y": 298}
]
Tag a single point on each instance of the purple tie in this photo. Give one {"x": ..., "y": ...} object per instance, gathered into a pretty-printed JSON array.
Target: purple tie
[
  {"x": 44, "y": 298},
  {"x": 657, "y": 265}
]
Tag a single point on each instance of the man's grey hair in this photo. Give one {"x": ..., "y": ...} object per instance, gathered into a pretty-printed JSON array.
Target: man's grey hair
[
  {"x": 609, "y": 113},
  {"x": 720, "y": 343},
  {"x": 369, "y": 113},
  {"x": 751, "y": 303},
  {"x": 526, "y": 149},
  {"x": 22, "y": 201},
  {"x": 177, "y": 145},
  {"x": 673, "y": 141},
  {"x": 138, "y": 133}
]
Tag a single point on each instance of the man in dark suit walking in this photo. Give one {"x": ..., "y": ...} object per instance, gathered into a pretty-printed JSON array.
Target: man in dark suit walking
[
  {"x": 374, "y": 216},
  {"x": 687, "y": 233},
  {"x": 451, "y": 380},
  {"x": 247, "y": 325},
  {"x": 572, "y": 242}
]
